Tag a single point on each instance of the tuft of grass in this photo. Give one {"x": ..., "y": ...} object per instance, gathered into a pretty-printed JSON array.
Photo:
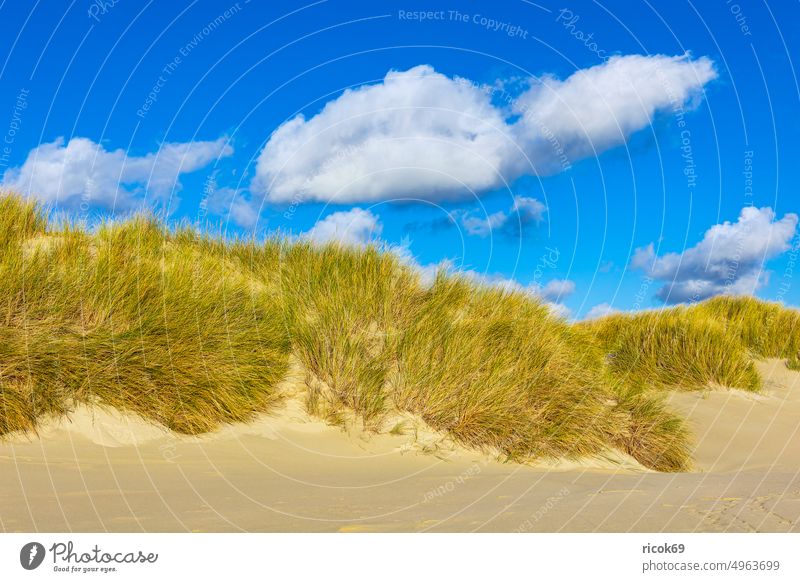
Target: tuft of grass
[
  {"x": 651, "y": 434},
  {"x": 495, "y": 369},
  {"x": 131, "y": 317},
  {"x": 343, "y": 306},
  {"x": 768, "y": 329},
  {"x": 677, "y": 348},
  {"x": 20, "y": 220},
  {"x": 398, "y": 429}
]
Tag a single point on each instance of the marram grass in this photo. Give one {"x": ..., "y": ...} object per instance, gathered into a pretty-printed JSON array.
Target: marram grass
[
  {"x": 129, "y": 318},
  {"x": 677, "y": 348},
  {"x": 768, "y": 330},
  {"x": 193, "y": 332}
]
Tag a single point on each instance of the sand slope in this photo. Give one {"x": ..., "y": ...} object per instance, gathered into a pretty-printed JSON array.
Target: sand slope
[{"x": 107, "y": 471}]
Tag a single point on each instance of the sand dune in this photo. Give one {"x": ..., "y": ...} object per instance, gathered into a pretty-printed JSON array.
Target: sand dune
[{"x": 102, "y": 470}]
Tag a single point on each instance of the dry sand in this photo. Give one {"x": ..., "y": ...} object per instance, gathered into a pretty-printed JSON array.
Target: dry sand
[{"x": 103, "y": 471}]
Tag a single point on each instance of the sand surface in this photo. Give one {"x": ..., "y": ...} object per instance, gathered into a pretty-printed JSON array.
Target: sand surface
[{"x": 105, "y": 471}]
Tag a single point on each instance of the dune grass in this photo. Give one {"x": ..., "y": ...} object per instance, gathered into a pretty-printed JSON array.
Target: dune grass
[
  {"x": 193, "y": 331},
  {"x": 494, "y": 368},
  {"x": 678, "y": 348},
  {"x": 127, "y": 317},
  {"x": 343, "y": 308},
  {"x": 768, "y": 330}
]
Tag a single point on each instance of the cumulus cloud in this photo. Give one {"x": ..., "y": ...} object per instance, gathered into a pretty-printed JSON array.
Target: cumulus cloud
[
  {"x": 415, "y": 134},
  {"x": 598, "y": 108},
  {"x": 605, "y": 267},
  {"x": 523, "y": 211},
  {"x": 353, "y": 227},
  {"x": 559, "y": 310},
  {"x": 528, "y": 209},
  {"x": 84, "y": 172},
  {"x": 482, "y": 226},
  {"x": 421, "y": 134},
  {"x": 728, "y": 260}
]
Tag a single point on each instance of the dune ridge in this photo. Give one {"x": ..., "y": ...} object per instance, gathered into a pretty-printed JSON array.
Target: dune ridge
[{"x": 194, "y": 333}]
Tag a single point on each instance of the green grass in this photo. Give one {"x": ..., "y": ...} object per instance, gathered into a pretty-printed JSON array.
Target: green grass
[
  {"x": 768, "y": 330},
  {"x": 677, "y": 348},
  {"x": 129, "y": 317},
  {"x": 193, "y": 331},
  {"x": 343, "y": 308},
  {"x": 495, "y": 369}
]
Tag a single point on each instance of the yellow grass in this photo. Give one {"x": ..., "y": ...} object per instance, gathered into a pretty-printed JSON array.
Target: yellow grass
[
  {"x": 769, "y": 330},
  {"x": 193, "y": 332},
  {"x": 677, "y": 348}
]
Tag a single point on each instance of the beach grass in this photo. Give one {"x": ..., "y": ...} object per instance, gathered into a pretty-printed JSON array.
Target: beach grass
[
  {"x": 678, "y": 348},
  {"x": 494, "y": 368},
  {"x": 129, "y": 317},
  {"x": 767, "y": 329},
  {"x": 194, "y": 331}
]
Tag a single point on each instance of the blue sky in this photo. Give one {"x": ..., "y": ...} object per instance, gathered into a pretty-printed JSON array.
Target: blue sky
[{"x": 525, "y": 143}]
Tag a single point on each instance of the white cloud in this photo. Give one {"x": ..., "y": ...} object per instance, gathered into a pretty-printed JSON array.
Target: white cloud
[
  {"x": 84, "y": 172},
  {"x": 605, "y": 267},
  {"x": 601, "y": 310},
  {"x": 422, "y": 134},
  {"x": 529, "y": 209},
  {"x": 728, "y": 260},
  {"x": 234, "y": 205},
  {"x": 554, "y": 290},
  {"x": 598, "y": 108},
  {"x": 418, "y": 133},
  {"x": 559, "y": 310},
  {"x": 524, "y": 209},
  {"x": 353, "y": 227},
  {"x": 482, "y": 227}
]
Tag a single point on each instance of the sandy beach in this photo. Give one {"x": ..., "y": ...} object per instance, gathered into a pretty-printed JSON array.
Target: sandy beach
[{"x": 102, "y": 471}]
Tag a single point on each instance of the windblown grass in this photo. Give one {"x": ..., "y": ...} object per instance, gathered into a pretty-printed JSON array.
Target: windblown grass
[
  {"x": 651, "y": 434},
  {"x": 495, "y": 368},
  {"x": 344, "y": 306},
  {"x": 677, "y": 348},
  {"x": 769, "y": 330},
  {"x": 129, "y": 318},
  {"x": 193, "y": 331}
]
